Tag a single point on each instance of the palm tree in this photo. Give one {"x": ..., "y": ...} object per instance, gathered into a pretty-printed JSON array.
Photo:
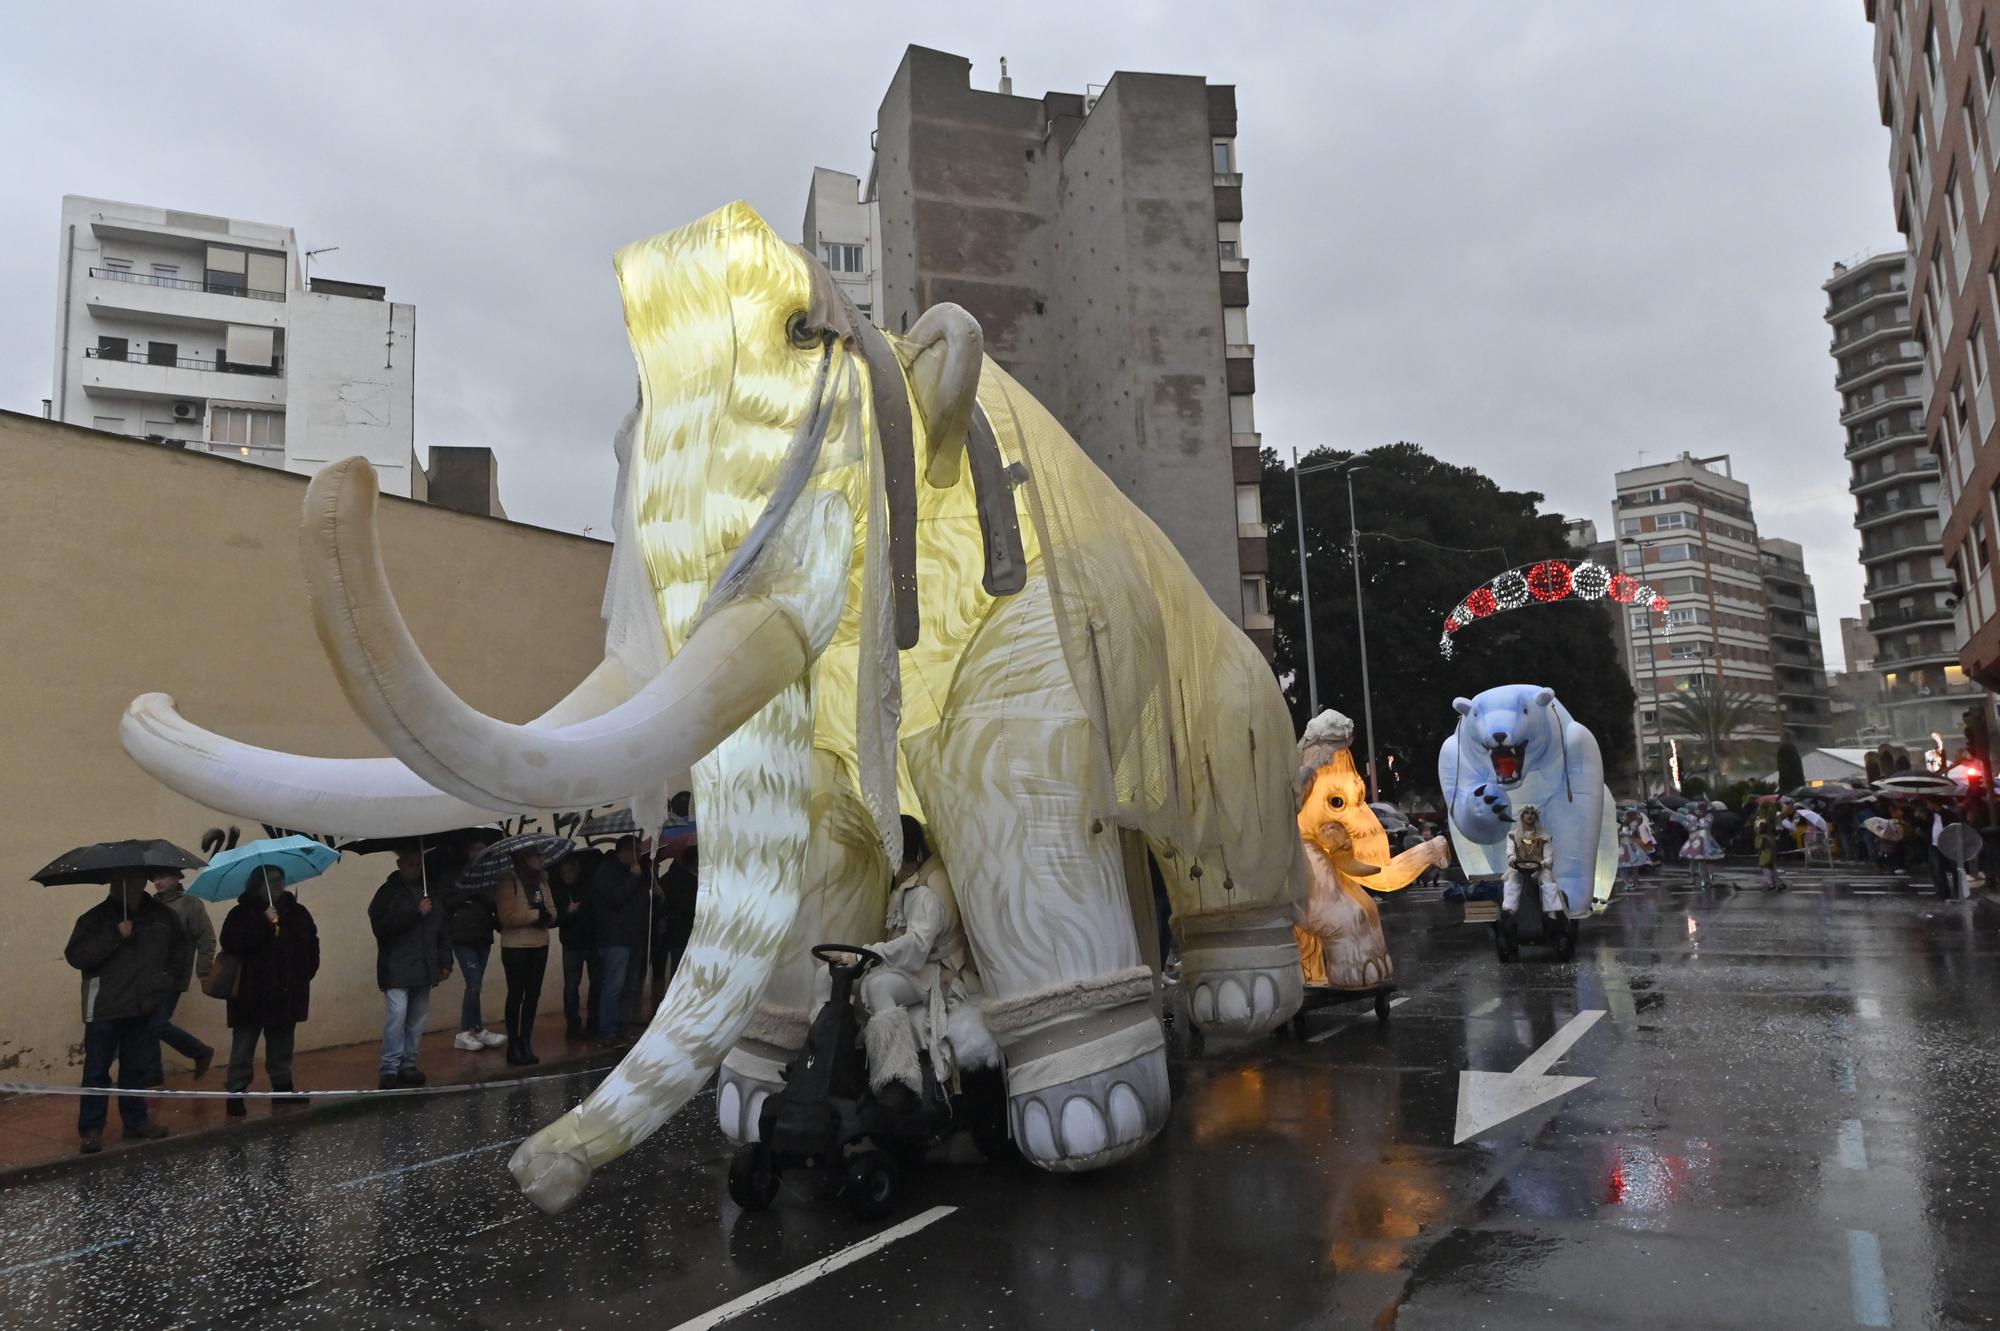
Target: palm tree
[{"x": 1720, "y": 722}]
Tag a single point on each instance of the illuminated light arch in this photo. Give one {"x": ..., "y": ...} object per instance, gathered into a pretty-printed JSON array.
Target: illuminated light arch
[{"x": 1545, "y": 582}]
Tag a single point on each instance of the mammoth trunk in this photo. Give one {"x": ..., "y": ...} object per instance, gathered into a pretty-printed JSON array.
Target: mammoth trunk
[{"x": 751, "y": 796}]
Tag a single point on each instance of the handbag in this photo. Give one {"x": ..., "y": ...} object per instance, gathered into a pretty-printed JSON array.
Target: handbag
[{"x": 224, "y": 976}]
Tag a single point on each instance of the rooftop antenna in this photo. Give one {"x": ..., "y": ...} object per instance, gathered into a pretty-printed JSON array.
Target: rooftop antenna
[
  {"x": 308, "y": 258},
  {"x": 1006, "y": 83}
]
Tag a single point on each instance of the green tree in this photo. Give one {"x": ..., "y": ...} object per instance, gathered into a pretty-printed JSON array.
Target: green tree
[
  {"x": 1430, "y": 533},
  {"x": 1720, "y": 721}
]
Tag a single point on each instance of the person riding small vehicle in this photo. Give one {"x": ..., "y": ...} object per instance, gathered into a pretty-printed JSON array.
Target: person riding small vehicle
[
  {"x": 1531, "y": 862},
  {"x": 930, "y": 1069}
]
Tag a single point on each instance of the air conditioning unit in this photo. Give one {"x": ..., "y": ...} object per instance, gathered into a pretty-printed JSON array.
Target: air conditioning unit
[{"x": 187, "y": 411}]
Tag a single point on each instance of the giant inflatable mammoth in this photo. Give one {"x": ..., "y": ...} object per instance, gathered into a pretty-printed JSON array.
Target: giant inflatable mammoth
[{"x": 876, "y": 577}]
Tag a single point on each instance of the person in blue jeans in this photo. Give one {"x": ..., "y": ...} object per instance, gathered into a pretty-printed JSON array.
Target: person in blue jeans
[
  {"x": 471, "y": 928},
  {"x": 569, "y": 884},
  {"x": 620, "y": 902},
  {"x": 129, "y": 948},
  {"x": 412, "y": 956}
]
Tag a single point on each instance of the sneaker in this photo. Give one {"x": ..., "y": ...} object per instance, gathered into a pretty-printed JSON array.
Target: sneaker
[
  {"x": 389, "y": 1082},
  {"x": 410, "y": 1076},
  {"x": 91, "y": 1145},
  {"x": 469, "y": 1042},
  {"x": 203, "y": 1061},
  {"x": 148, "y": 1131},
  {"x": 491, "y": 1039}
]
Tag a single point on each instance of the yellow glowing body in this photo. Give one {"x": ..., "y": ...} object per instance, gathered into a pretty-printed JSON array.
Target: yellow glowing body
[{"x": 1341, "y": 942}]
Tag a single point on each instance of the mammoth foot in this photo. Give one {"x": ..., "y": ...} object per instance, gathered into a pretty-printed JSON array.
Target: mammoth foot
[
  {"x": 1243, "y": 982},
  {"x": 551, "y": 1166},
  {"x": 751, "y": 1074},
  {"x": 1086, "y": 1092}
]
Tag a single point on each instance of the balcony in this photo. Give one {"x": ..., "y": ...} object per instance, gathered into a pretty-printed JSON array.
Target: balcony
[
  {"x": 1880, "y": 508},
  {"x": 1881, "y": 471},
  {"x": 1233, "y": 263},
  {"x": 1239, "y": 349},
  {"x": 1869, "y": 329},
  {"x": 178, "y": 378},
  {"x": 1900, "y": 543},
  {"x": 178, "y": 301},
  {"x": 1246, "y": 439},
  {"x": 1887, "y": 587},
  {"x": 1884, "y": 620},
  {"x": 1884, "y": 433},
  {"x": 1879, "y": 403},
  {"x": 1229, "y": 179},
  {"x": 1863, "y": 294},
  {"x": 1857, "y": 370}
]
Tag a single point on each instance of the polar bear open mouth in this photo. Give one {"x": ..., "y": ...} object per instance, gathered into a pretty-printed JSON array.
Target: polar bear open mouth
[{"x": 1506, "y": 763}]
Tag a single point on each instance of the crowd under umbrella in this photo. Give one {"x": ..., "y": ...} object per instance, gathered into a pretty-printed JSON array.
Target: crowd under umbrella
[
  {"x": 484, "y": 834},
  {"x": 230, "y": 873},
  {"x": 484, "y": 873}
]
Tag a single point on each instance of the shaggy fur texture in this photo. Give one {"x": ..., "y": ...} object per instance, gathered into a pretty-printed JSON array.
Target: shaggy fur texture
[{"x": 892, "y": 1051}]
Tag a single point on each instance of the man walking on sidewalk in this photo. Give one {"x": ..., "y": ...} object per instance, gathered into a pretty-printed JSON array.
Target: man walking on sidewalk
[
  {"x": 193, "y": 915},
  {"x": 129, "y": 948},
  {"x": 412, "y": 954}
]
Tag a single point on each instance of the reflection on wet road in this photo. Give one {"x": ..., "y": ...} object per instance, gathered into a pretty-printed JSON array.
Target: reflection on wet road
[{"x": 1791, "y": 1123}]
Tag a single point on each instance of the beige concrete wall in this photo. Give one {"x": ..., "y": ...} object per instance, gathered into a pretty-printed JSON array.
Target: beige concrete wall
[{"x": 130, "y": 567}]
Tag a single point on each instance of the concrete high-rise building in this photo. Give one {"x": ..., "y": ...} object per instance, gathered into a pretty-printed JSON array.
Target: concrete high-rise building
[
  {"x": 1798, "y": 659},
  {"x": 843, "y": 227},
  {"x": 203, "y": 332},
  {"x": 1098, "y": 239},
  {"x": 1686, "y": 528},
  {"x": 1893, "y": 474}
]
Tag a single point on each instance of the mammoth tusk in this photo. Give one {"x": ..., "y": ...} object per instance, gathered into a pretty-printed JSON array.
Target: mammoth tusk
[
  {"x": 1354, "y": 868},
  {"x": 740, "y": 657},
  {"x": 377, "y": 797}
]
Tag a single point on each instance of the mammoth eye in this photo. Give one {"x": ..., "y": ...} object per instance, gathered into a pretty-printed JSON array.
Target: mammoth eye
[
  {"x": 800, "y": 332},
  {"x": 1335, "y": 802}
]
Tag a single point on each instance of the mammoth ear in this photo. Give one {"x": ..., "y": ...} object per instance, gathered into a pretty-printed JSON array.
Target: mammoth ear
[
  {"x": 945, "y": 348},
  {"x": 1543, "y": 697},
  {"x": 1463, "y": 706}
]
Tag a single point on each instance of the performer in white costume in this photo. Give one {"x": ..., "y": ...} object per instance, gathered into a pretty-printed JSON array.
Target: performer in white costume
[
  {"x": 1529, "y": 846},
  {"x": 924, "y": 979}
]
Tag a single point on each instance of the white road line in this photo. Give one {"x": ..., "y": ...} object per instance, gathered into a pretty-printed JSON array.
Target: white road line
[
  {"x": 1864, "y": 1273},
  {"x": 805, "y": 1275},
  {"x": 1484, "y": 1008},
  {"x": 1558, "y": 1044},
  {"x": 435, "y": 1160},
  {"x": 1843, "y": 1075},
  {"x": 1853, "y": 1145},
  {"x": 1340, "y": 1026},
  {"x": 1869, "y": 1008},
  {"x": 63, "y": 1257}
]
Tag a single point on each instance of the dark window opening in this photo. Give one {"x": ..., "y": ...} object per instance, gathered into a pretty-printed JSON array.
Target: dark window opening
[
  {"x": 162, "y": 353},
  {"x": 111, "y": 348}
]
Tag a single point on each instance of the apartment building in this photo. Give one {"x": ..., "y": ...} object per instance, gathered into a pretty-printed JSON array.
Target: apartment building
[
  {"x": 1098, "y": 239},
  {"x": 1798, "y": 659},
  {"x": 843, "y": 227},
  {"x": 1686, "y": 528},
  {"x": 205, "y": 333}
]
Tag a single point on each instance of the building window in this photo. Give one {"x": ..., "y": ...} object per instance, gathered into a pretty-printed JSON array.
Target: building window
[
  {"x": 1242, "y": 420},
  {"x": 247, "y": 430},
  {"x": 1920, "y": 145},
  {"x": 1678, "y": 552},
  {"x": 1674, "y": 521},
  {"x": 111, "y": 348},
  {"x": 1229, "y": 239},
  {"x": 1959, "y": 416},
  {"x": 162, "y": 353},
  {"x": 1249, "y": 505},
  {"x": 1931, "y": 51},
  {"x": 1954, "y": 208},
  {"x": 1225, "y": 156},
  {"x": 118, "y": 270},
  {"x": 1236, "y": 325},
  {"x": 1982, "y": 550},
  {"x": 1634, "y": 557},
  {"x": 1975, "y": 351},
  {"x": 1984, "y": 46},
  {"x": 1972, "y": 129},
  {"x": 166, "y": 272},
  {"x": 841, "y": 258},
  {"x": 1253, "y": 596},
  {"x": 1628, "y": 526}
]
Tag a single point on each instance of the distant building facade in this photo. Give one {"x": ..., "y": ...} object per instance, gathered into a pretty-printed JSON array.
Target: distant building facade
[
  {"x": 1798, "y": 659},
  {"x": 202, "y": 332},
  {"x": 843, "y": 227},
  {"x": 1097, "y": 237}
]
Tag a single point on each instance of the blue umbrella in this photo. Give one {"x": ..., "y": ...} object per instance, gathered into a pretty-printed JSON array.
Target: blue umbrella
[{"x": 229, "y": 873}]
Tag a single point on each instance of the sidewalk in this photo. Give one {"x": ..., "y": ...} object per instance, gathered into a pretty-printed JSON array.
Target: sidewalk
[{"x": 38, "y": 1130}]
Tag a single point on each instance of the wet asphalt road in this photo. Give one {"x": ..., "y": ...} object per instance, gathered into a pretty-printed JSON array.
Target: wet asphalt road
[{"x": 1794, "y": 1122}]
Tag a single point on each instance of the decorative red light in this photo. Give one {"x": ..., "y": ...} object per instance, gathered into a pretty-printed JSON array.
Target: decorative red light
[
  {"x": 1450, "y": 624},
  {"x": 1482, "y": 602},
  {"x": 1549, "y": 580},
  {"x": 1623, "y": 588}
]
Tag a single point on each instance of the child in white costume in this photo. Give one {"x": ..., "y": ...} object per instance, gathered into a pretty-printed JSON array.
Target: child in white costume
[{"x": 1529, "y": 845}]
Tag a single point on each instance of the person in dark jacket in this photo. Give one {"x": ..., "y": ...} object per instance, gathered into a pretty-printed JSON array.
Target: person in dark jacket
[
  {"x": 276, "y": 946},
  {"x": 569, "y": 887},
  {"x": 471, "y": 928},
  {"x": 673, "y": 917},
  {"x": 129, "y": 948},
  {"x": 620, "y": 898},
  {"x": 193, "y": 915},
  {"x": 412, "y": 956}
]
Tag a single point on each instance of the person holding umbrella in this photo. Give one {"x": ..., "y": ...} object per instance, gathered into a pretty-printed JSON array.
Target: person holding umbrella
[
  {"x": 526, "y": 911},
  {"x": 412, "y": 956},
  {"x": 129, "y": 948},
  {"x": 169, "y": 892},
  {"x": 275, "y": 942}
]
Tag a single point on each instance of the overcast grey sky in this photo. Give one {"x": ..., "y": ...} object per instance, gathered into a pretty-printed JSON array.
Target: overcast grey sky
[{"x": 1540, "y": 238}]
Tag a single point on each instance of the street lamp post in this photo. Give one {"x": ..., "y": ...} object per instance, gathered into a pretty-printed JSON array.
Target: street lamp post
[
  {"x": 1349, "y": 466},
  {"x": 1652, "y": 678}
]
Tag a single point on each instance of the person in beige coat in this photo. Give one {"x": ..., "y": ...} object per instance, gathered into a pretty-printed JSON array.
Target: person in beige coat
[{"x": 526, "y": 913}]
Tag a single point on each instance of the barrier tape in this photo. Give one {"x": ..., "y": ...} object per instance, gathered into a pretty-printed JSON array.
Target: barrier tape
[{"x": 376, "y": 1092}]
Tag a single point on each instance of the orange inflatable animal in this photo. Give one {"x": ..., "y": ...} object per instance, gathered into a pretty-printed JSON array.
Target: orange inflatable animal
[{"x": 1341, "y": 945}]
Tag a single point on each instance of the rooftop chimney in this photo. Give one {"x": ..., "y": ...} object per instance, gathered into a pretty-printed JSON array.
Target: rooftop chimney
[{"x": 1006, "y": 84}]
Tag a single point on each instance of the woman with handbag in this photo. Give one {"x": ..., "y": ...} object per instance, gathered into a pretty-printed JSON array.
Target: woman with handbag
[
  {"x": 271, "y": 944},
  {"x": 526, "y": 912}
]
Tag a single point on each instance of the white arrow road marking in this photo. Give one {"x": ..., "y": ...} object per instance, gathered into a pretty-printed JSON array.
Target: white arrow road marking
[
  {"x": 805, "y": 1275},
  {"x": 1488, "y": 1099}
]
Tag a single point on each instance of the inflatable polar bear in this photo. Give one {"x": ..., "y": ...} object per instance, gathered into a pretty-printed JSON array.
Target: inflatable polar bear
[{"x": 1515, "y": 746}]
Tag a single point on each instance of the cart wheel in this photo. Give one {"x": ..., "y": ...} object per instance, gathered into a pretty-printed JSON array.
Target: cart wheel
[
  {"x": 871, "y": 1184},
  {"x": 1500, "y": 948},
  {"x": 753, "y": 1177},
  {"x": 1382, "y": 1005}
]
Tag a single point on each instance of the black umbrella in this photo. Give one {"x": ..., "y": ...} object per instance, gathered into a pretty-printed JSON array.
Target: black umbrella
[
  {"x": 375, "y": 845},
  {"x": 108, "y": 861},
  {"x": 484, "y": 872}
]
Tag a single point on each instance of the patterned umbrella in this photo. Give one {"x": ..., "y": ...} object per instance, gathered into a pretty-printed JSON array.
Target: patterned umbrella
[{"x": 485, "y": 872}]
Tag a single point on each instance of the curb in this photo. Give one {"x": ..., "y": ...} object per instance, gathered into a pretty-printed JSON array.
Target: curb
[{"x": 291, "y": 1116}]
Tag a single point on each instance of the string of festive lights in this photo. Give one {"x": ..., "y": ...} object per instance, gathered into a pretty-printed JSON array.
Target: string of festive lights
[{"x": 1546, "y": 582}]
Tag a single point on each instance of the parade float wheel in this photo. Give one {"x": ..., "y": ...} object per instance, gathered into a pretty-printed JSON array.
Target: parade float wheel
[
  {"x": 753, "y": 1177},
  {"x": 872, "y": 1177}
]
